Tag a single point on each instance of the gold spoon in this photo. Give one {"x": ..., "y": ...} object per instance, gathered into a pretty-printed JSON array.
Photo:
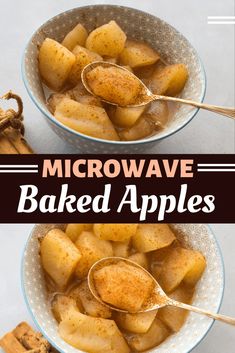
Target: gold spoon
[
  {"x": 146, "y": 96},
  {"x": 158, "y": 299}
]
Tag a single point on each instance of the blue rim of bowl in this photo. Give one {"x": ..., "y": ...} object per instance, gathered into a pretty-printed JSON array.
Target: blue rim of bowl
[
  {"x": 61, "y": 351},
  {"x": 150, "y": 140}
]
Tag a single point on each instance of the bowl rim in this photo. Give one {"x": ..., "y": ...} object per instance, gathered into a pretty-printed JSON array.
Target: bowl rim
[
  {"x": 148, "y": 140},
  {"x": 50, "y": 340}
]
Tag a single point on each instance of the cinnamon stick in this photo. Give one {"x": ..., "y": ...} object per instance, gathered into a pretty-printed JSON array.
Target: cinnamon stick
[
  {"x": 10, "y": 344},
  {"x": 12, "y": 129},
  {"x": 6, "y": 147},
  {"x": 21, "y": 329},
  {"x": 18, "y": 141},
  {"x": 24, "y": 339}
]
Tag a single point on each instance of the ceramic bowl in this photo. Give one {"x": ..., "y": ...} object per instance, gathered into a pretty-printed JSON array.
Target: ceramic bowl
[
  {"x": 172, "y": 46},
  {"x": 209, "y": 292}
]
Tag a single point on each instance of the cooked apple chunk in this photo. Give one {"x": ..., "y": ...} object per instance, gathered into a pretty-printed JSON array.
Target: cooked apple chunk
[
  {"x": 151, "y": 237},
  {"x": 54, "y": 100},
  {"x": 55, "y": 63},
  {"x": 114, "y": 85},
  {"x": 108, "y": 40},
  {"x": 181, "y": 265},
  {"x": 126, "y": 117},
  {"x": 139, "y": 258},
  {"x": 174, "y": 317},
  {"x": 158, "y": 113},
  {"x": 141, "y": 129},
  {"x": 110, "y": 59},
  {"x": 77, "y": 36},
  {"x": 170, "y": 80},
  {"x": 91, "y": 249},
  {"x": 91, "y": 306},
  {"x": 90, "y": 100},
  {"x": 115, "y": 231},
  {"x": 93, "y": 335},
  {"x": 157, "y": 333},
  {"x": 87, "y": 119},
  {"x": 73, "y": 230},
  {"x": 83, "y": 58},
  {"x": 121, "y": 248},
  {"x": 59, "y": 256},
  {"x": 137, "y": 54},
  {"x": 123, "y": 286},
  {"x": 136, "y": 323},
  {"x": 61, "y": 306},
  {"x": 78, "y": 91},
  {"x": 81, "y": 95},
  {"x": 146, "y": 72},
  {"x": 158, "y": 257},
  {"x": 194, "y": 274}
]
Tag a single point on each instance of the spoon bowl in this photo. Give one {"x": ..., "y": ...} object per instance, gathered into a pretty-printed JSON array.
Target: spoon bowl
[
  {"x": 145, "y": 96},
  {"x": 158, "y": 298}
]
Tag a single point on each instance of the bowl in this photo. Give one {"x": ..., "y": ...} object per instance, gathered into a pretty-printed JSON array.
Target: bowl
[
  {"x": 172, "y": 46},
  {"x": 208, "y": 295}
]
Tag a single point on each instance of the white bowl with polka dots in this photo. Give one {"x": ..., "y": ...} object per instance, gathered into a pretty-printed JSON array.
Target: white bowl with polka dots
[
  {"x": 209, "y": 291},
  {"x": 171, "y": 45}
]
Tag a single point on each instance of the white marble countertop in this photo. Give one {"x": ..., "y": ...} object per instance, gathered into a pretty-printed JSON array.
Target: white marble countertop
[
  {"x": 207, "y": 133},
  {"x": 13, "y": 309}
]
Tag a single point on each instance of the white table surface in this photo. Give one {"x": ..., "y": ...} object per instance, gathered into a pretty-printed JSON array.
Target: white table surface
[
  {"x": 207, "y": 133},
  {"x": 214, "y": 134},
  {"x": 221, "y": 338}
]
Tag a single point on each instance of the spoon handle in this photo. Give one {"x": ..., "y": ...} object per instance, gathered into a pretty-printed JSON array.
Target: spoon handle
[
  {"x": 229, "y": 112},
  {"x": 223, "y": 318}
]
